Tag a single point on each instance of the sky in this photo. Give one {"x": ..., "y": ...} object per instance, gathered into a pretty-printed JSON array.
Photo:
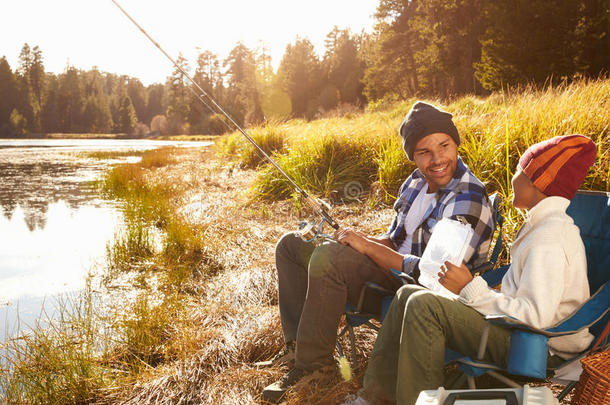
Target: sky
[{"x": 88, "y": 33}]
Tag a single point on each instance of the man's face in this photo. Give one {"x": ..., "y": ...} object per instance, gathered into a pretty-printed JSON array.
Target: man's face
[{"x": 436, "y": 157}]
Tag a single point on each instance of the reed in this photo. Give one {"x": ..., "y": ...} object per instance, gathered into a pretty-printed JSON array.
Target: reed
[{"x": 59, "y": 361}]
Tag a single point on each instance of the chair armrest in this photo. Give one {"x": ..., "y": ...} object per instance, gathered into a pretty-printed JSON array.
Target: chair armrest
[
  {"x": 513, "y": 323},
  {"x": 494, "y": 277},
  {"x": 404, "y": 277},
  {"x": 589, "y": 313}
]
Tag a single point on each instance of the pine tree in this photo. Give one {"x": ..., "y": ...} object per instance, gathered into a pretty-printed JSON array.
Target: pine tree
[
  {"x": 137, "y": 94},
  {"x": 389, "y": 52},
  {"x": 593, "y": 38},
  {"x": 49, "y": 114},
  {"x": 300, "y": 75},
  {"x": 37, "y": 76},
  {"x": 26, "y": 102},
  {"x": 244, "y": 98},
  {"x": 208, "y": 77},
  {"x": 70, "y": 101},
  {"x": 178, "y": 98},
  {"x": 154, "y": 102},
  {"x": 528, "y": 41},
  {"x": 8, "y": 90},
  {"x": 342, "y": 65},
  {"x": 127, "y": 116}
]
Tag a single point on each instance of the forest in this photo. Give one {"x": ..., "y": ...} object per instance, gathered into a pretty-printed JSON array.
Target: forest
[{"x": 433, "y": 48}]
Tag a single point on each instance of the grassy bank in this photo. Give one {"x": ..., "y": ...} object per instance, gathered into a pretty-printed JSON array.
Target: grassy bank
[
  {"x": 190, "y": 301},
  {"x": 361, "y": 156}
]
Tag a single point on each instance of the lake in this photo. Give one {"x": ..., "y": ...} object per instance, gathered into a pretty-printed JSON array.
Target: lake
[{"x": 54, "y": 226}]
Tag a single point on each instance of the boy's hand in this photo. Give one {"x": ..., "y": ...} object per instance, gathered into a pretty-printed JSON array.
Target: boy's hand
[{"x": 454, "y": 278}]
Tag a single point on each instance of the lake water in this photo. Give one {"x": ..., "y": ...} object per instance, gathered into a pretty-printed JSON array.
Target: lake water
[{"x": 54, "y": 227}]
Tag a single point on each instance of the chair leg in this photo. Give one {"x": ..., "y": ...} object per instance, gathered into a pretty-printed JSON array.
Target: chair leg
[
  {"x": 343, "y": 331},
  {"x": 471, "y": 383},
  {"x": 566, "y": 390},
  {"x": 352, "y": 341},
  {"x": 339, "y": 348}
]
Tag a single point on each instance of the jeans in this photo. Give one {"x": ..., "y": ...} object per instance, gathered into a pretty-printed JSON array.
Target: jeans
[
  {"x": 315, "y": 283},
  {"x": 408, "y": 356}
]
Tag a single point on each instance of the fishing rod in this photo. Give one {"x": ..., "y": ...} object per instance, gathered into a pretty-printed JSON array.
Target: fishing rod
[{"x": 309, "y": 231}]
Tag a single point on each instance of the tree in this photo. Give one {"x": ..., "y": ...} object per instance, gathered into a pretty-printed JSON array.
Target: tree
[
  {"x": 8, "y": 90},
  {"x": 389, "y": 52},
  {"x": 97, "y": 117},
  {"x": 528, "y": 42},
  {"x": 26, "y": 102},
  {"x": 208, "y": 77},
  {"x": 37, "y": 76},
  {"x": 300, "y": 76},
  {"x": 18, "y": 123},
  {"x": 593, "y": 38},
  {"x": 70, "y": 101},
  {"x": 245, "y": 103},
  {"x": 49, "y": 114},
  {"x": 343, "y": 68},
  {"x": 446, "y": 44},
  {"x": 154, "y": 102},
  {"x": 137, "y": 94},
  {"x": 127, "y": 116},
  {"x": 178, "y": 98}
]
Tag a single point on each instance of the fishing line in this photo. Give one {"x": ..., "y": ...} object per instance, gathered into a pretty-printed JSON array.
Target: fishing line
[{"x": 309, "y": 231}]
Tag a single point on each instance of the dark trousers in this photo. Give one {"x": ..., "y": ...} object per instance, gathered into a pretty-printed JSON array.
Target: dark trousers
[
  {"x": 315, "y": 283},
  {"x": 408, "y": 356}
]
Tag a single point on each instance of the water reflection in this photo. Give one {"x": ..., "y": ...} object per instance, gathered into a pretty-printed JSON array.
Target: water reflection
[{"x": 54, "y": 227}]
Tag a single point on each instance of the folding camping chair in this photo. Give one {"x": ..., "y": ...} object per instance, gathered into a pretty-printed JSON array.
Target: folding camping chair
[
  {"x": 374, "y": 300},
  {"x": 529, "y": 349}
]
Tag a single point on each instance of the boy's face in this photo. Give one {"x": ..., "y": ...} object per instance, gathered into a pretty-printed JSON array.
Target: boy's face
[
  {"x": 436, "y": 157},
  {"x": 525, "y": 194}
]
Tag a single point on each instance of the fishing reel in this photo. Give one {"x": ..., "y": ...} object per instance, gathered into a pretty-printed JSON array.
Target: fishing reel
[{"x": 309, "y": 231}]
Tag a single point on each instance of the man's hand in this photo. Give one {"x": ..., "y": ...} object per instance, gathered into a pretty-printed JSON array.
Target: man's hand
[
  {"x": 353, "y": 238},
  {"x": 454, "y": 278}
]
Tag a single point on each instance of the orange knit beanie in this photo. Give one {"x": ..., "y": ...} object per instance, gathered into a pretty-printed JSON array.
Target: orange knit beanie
[{"x": 558, "y": 166}]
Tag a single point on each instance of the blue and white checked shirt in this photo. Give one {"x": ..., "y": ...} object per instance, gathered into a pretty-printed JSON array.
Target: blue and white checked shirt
[{"x": 464, "y": 196}]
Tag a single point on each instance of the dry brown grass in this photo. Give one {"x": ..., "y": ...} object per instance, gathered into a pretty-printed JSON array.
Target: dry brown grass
[{"x": 232, "y": 321}]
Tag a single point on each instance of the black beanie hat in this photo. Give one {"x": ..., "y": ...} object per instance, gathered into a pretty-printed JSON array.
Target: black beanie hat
[{"x": 425, "y": 119}]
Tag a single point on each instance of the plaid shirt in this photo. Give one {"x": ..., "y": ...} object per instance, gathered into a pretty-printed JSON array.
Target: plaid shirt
[{"x": 464, "y": 196}]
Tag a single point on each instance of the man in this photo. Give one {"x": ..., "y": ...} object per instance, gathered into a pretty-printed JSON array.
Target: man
[
  {"x": 546, "y": 282},
  {"x": 316, "y": 282}
]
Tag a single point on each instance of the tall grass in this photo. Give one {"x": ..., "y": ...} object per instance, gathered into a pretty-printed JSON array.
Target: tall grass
[
  {"x": 60, "y": 361},
  {"x": 324, "y": 156}
]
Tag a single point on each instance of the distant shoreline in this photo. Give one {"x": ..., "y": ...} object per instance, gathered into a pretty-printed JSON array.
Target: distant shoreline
[{"x": 113, "y": 136}]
